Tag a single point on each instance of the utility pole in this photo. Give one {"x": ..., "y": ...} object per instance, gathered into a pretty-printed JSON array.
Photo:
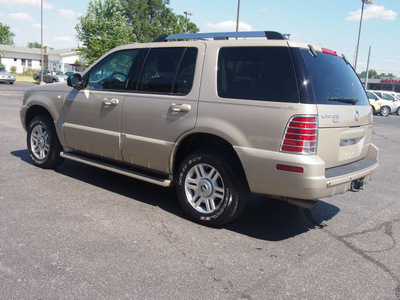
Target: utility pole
[
  {"x": 366, "y": 75},
  {"x": 238, "y": 16}
]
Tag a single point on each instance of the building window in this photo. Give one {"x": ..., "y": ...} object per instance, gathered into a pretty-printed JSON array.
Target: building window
[
  {"x": 29, "y": 63},
  {"x": 23, "y": 62}
]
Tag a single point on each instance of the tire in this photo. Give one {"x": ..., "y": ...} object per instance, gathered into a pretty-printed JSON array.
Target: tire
[
  {"x": 43, "y": 144},
  {"x": 373, "y": 110},
  {"x": 209, "y": 191},
  {"x": 385, "y": 111},
  {"x": 54, "y": 80},
  {"x": 37, "y": 80},
  {"x": 398, "y": 111}
]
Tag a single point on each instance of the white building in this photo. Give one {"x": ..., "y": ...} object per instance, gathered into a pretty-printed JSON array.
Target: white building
[{"x": 23, "y": 58}]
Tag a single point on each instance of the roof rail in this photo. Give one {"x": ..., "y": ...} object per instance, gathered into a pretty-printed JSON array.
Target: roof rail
[{"x": 271, "y": 35}]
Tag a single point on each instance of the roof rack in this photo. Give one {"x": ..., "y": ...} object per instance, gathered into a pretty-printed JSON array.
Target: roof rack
[{"x": 271, "y": 35}]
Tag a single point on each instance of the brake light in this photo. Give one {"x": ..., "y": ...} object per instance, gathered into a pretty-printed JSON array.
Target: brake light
[
  {"x": 329, "y": 51},
  {"x": 300, "y": 135}
]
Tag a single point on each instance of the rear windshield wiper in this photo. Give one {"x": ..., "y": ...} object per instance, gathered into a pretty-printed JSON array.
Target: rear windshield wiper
[{"x": 344, "y": 100}]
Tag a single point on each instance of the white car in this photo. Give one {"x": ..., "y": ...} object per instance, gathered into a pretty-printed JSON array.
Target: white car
[
  {"x": 388, "y": 103},
  {"x": 6, "y": 77}
]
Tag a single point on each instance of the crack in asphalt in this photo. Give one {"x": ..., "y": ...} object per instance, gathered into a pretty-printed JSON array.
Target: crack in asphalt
[{"x": 388, "y": 230}]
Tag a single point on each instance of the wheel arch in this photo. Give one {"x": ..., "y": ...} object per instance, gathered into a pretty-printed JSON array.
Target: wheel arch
[
  {"x": 33, "y": 112},
  {"x": 207, "y": 142}
]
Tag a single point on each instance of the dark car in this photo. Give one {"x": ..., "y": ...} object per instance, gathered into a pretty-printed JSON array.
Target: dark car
[{"x": 50, "y": 76}]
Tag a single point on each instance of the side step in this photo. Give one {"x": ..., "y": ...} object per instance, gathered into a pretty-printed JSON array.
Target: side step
[{"x": 116, "y": 169}]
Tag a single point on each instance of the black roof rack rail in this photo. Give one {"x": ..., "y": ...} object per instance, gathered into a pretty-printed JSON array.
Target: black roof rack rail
[{"x": 271, "y": 35}]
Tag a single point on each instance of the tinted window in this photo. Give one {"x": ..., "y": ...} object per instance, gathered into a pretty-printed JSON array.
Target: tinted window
[
  {"x": 112, "y": 72},
  {"x": 184, "y": 79},
  {"x": 168, "y": 70},
  {"x": 331, "y": 77},
  {"x": 257, "y": 73}
]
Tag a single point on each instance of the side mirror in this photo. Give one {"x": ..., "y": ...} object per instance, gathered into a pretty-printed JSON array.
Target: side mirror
[{"x": 75, "y": 81}]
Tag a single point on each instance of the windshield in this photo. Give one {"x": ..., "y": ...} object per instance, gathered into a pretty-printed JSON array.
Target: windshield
[
  {"x": 3, "y": 69},
  {"x": 329, "y": 79}
]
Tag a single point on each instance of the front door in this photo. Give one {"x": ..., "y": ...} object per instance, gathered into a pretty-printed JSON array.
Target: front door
[{"x": 92, "y": 116}]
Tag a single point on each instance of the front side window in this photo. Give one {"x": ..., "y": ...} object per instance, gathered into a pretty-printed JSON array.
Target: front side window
[
  {"x": 257, "y": 73},
  {"x": 168, "y": 70},
  {"x": 112, "y": 72}
]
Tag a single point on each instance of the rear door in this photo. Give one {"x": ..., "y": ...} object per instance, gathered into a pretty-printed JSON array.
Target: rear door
[
  {"x": 162, "y": 105},
  {"x": 344, "y": 113}
]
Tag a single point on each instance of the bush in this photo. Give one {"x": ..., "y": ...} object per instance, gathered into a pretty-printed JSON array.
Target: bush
[
  {"x": 13, "y": 69},
  {"x": 30, "y": 71}
]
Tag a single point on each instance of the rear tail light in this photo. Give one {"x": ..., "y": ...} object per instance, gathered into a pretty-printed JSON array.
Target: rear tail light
[{"x": 300, "y": 135}]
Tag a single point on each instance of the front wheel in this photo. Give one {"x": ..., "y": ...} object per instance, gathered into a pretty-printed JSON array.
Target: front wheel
[
  {"x": 385, "y": 111},
  {"x": 398, "y": 111},
  {"x": 209, "y": 191},
  {"x": 43, "y": 144}
]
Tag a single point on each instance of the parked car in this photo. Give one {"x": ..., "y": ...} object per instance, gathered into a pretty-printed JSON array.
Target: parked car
[
  {"x": 386, "y": 100},
  {"x": 6, "y": 76},
  {"x": 37, "y": 75},
  {"x": 69, "y": 73},
  {"x": 214, "y": 115},
  {"x": 50, "y": 76}
]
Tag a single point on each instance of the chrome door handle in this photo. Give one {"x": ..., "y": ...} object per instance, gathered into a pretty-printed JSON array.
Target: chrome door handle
[
  {"x": 110, "y": 102},
  {"x": 181, "y": 107}
]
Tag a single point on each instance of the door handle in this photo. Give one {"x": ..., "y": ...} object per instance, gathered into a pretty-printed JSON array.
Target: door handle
[
  {"x": 110, "y": 102},
  {"x": 181, "y": 107}
]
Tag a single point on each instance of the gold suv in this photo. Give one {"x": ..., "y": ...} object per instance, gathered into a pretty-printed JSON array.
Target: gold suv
[{"x": 217, "y": 115}]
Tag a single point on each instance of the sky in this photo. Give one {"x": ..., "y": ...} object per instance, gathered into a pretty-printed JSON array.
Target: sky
[{"x": 333, "y": 24}]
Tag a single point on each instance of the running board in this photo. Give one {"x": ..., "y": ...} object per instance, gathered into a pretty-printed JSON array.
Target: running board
[{"x": 117, "y": 169}]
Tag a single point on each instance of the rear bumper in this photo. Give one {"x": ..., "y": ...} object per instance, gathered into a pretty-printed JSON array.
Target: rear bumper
[{"x": 315, "y": 182}]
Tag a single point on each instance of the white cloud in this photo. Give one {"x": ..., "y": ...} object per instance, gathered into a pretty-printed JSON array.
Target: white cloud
[
  {"x": 63, "y": 39},
  {"x": 24, "y": 3},
  {"x": 229, "y": 26},
  {"x": 24, "y": 17},
  {"x": 373, "y": 12},
  {"x": 67, "y": 14},
  {"x": 264, "y": 9}
]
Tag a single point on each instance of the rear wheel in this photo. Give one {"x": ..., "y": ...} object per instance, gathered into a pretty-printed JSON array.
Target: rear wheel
[
  {"x": 398, "y": 111},
  {"x": 209, "y": 191},
  {"x": 43, "y": 144},
  {"x": 385, "y": 111}
]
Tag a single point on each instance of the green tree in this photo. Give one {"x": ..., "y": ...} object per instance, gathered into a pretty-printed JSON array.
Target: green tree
[
  {"x": 6, "y": 36},
  {"x": 102, "y": 28},
  {"x": 34, "y": 45},
  {"x": 150, "y": 19}
]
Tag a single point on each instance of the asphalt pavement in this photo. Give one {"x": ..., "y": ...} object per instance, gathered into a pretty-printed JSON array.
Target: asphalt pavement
[{"x": 78, "y": 232}]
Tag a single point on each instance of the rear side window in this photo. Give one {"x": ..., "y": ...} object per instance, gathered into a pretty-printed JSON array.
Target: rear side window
[
  {"x": 168, "y": 70},
  {"x": 257, "y": 73},
  {"x": 332, "y": 79}
]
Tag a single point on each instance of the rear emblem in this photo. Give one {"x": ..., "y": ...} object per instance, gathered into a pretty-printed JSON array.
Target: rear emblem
[{"x": 356, "y": 115}]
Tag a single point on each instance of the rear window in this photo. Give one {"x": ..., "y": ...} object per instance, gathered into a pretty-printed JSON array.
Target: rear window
[
  {"x": 257, "y": 73},
  {"x": 333, "y": 80}
]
